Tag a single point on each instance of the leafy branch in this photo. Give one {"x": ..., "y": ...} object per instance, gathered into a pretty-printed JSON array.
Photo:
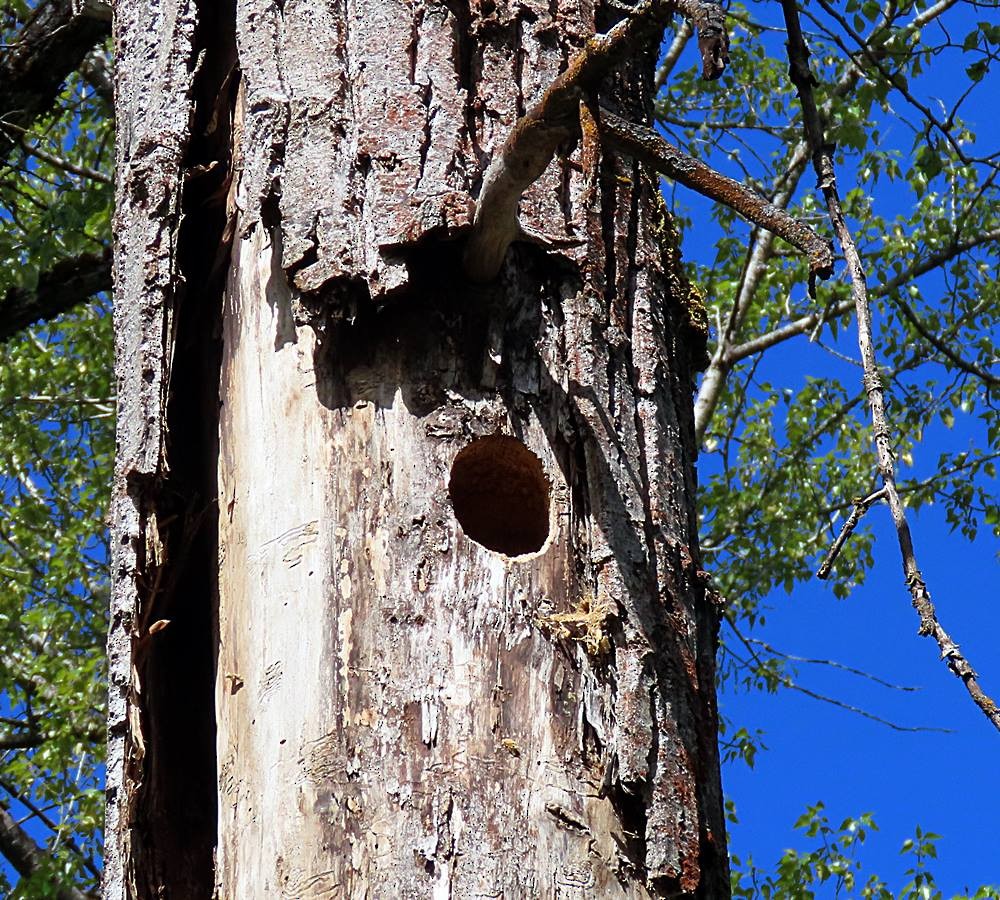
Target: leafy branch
[
  {"x": 27, "y": 857},
  {"x": 67, "y": 284}
]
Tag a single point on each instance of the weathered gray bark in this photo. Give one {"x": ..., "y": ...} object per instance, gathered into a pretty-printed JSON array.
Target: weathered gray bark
[{"x": 400, "y": 710}]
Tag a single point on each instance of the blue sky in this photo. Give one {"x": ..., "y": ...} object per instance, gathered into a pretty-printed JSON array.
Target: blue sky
[{"x": 946, "y": 783}]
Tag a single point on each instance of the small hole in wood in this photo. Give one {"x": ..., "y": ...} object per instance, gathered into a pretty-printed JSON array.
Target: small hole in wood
[{"x": 500, "y": 495}]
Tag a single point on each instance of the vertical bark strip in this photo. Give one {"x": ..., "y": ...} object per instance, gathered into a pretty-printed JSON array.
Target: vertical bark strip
[
  {"x": 400, "y": 709},
  {"x": 153, "y": 83},
  {"x": 174, "y": 62}
]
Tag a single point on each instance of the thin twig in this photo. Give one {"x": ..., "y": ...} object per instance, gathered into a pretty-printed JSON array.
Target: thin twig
[
  {"x": 896, "y": 79},
  {"x": 647, "y": 146},
  {"x": 786, "y": 682},
  {"x": 959, "y": 361},
  {"x": 861, "y": 506},
  {"x": 537, "y": 135},
  {"x": 56, "y": 161},
  {"x": 862, "y": 712},
  {"x": 802, "y": 78},
  {"x": 833, "y": 664}
]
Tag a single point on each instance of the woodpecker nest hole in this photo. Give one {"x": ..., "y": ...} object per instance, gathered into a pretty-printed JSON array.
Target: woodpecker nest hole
[{"x": 500, "y": 495}]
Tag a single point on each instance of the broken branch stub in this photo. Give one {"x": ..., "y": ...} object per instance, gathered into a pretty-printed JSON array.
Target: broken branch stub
[
  {"x": 647, "y": 146},
  {"x": 536, "y": 136}
]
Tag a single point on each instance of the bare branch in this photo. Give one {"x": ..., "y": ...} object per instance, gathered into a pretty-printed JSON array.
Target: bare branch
[
  {"x": 833, "y": 664},
  {"x": 787, "y": 682},
  {"x": 802, "y": 78},
  {"x": 941, "y": 346},
  {"x": 646, "y": 145},
  {"x": 861, "y": 506},
  {"x": 68, "y": 283},
  {"x": 24, "y": 740},
  {"x": 537, "y": 135},
  {"x": 807, "y": 323},
  {"x": 833, "y": 701},
  {"x": 761, "y": 250},
  {"x": 53, "y": 160}
]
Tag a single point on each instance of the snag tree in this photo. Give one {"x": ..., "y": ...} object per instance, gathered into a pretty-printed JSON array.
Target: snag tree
[{"x": 407, "y": 588}]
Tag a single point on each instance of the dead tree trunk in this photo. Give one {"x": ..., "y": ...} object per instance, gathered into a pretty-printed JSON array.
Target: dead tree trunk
[{"x": 407, "y": 590}]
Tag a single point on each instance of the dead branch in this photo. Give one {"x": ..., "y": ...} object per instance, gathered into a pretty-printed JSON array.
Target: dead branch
[
  {"x": 788, "y": 682},
  {"x": 537, "y": 135},
  {"x": 647, "y": 146},
  {"x": 861, "y": 506},
  {"x": 802, "y": 78},
  {"x": 832, "y": 663}
]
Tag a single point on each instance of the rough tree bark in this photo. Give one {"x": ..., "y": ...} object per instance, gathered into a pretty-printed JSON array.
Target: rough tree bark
[{"x": 407, "y": 596}]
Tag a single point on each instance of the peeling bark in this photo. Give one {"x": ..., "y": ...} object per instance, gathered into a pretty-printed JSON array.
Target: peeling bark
[{"x": 399, "y": 708}]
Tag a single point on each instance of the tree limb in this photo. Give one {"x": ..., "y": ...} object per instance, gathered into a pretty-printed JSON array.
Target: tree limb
[
  {"x": 647, "y": 146},
  {"x": 537, "y": 135},
  {"x": 25, "y": 855},
  {"x": 832, "y": 663},
  {"x": 806, "y": 323},
  {"x": 68, "y": 283},
  {"x": 21, "y": 135},
  {"x": 25, "y": 740},
  {"x": 49, "y": 48},
  {"x": 54, "y": 827},
  {"x": 802, "y": 78},
  {"x": 753, "y": 272}
]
